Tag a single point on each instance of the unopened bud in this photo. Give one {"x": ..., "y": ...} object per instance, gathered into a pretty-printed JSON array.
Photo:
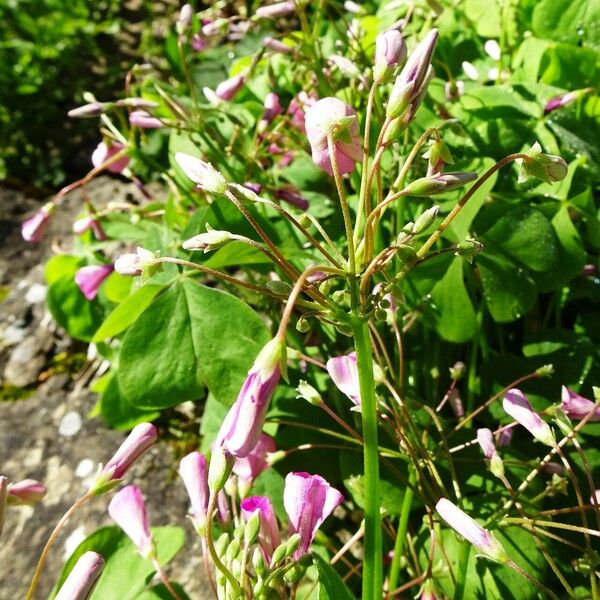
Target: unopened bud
[
  {"x": 91, "y": 110},
  {"x": 201, "y": 173},
  {"x": 547, "y": 167},
  {"x": 211, "y": 240},
  {"x": 468, "y": 249},
  {"x": 219, "y": 470},
  {"x": 243, "y": 193},
  {"x": 425, "y": 220},
  {"x": 309, "y": 393},
  {"x": 279, "y": 287},
  {"x": 252, "y": 528},
  {"x": 457, "y": 371},
  {"x": 439, "y": 183}
]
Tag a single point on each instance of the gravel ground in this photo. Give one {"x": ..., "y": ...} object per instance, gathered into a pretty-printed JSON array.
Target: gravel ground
[{"x": 46, "y": 434}]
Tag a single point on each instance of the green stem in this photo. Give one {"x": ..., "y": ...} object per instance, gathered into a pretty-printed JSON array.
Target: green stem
[
  {"x": 401, "y": 533},
  {"x": 463, "y": 563},
  {"x": 372, "y": 566}
]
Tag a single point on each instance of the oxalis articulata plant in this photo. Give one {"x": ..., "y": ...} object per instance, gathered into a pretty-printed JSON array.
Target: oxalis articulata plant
[{"x": 332, "y": 287}]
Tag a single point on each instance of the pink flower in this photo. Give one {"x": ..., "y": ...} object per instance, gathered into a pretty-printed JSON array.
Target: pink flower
[
  {"x": 517, "y": 406},
  {"x": 128, "y": 510},
  {"x": 144, "y": 120},
  {"x": 390, "y": 48},
  {"x": 485, "y": 439},
  {"x": 243, "y": 424},
  {"x": 331, "y": 115},
  {"x": 197, "y": 43},
  {"x": 251, "y": 466},
  {"x": 290, "y": 195},
  {"x": 463, "y": 524},
  {"x": 131, "y": 265},
  {"x": 104, "y": 152},
  {"x": 82, "y": 225},
  {"x": 272, "y": 107},
  {"x": 28, "y": 491},
  {"x": 308, "y": 501},
  {"x": 138, "y": 441},
  {"x": 82, "y": 579},
  {"x": 91, "y": 277},
  {"x": 276, "y": 45},
  {"x": 32, "y": 230},
  {"x": 577, "y": 407},
  {"x": 227, "y": 89},
  {"x": 343, "y": 371},
  {"x": 193, "y": 471},
  {"x": 279, "y": 9},
  {"x": 268, "y": 536}
]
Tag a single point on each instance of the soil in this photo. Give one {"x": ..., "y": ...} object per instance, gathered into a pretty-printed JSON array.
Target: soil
[{"x": 45, "y": 430}]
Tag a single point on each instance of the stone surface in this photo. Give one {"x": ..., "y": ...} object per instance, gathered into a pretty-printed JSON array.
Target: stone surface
[{"x": 48, "y": 435}]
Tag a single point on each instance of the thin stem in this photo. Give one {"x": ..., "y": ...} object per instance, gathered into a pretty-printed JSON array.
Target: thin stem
[
  {"x": 372, "y": 568},
  {"x": 435, "y": 236},
  {"x": 344, "y": 203},
  {"x": 53, "y": 536},
  {"x": 212, "y": 503},
  {"x": 401, "y": 533},
  {"x": 160, "y": 572}
]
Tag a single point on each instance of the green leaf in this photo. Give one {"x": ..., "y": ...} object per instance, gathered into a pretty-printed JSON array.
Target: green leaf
[
  {"x": 122, "y": 561},
  {"x": 118, "y": 412},
  {"x": 570, "y": 21},
  {"x": 454, "y": 315},
  {"x": 526, "y": 234},
  {"x": 204, "y": 335},
  {"x": 508, "y": 291},
  {"x": 127, "y": 312},
  {"x": 331, "y": 586},
  {"x": 69, "y": 307}
]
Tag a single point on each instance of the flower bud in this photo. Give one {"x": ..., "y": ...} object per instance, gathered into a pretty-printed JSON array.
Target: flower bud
[
  {"x": 185, "y": 18},
  {"x": 332, "y": 116},
  {"x": 227, "y": 89},
  {"x": 82, "y": 579},
  {"x": 82, "y": 225},
  {"x": 91, "y": 110},
  {"x": 413, "y": 78},
  {"x": 137, "y": 103},
  {"x": 201, "y": 173},
  {"x": 144, "y": 120},
  {"x": 211, "y": 240},
  {"x": 26, "y": 492},
  {"x": 468, "y": 249},
  {"x": 128, "y": 510},
  {"x": 276, "y": 45},
  {"x": 463, "y": 524},
  {"x": 131, "y": 265},
  {"x": 390, "y": 49},
  {"x": 32, "y": 230},
  {"x": 279, "y": 9},
  {"x": 577, "y": 407},
  {"x": 565, "y": 99},
  {"x": 243, "y": 424},
  {"x": 309, "y": 393},
  {"x": 138, "y": 441},
  {"x": 90, "y": 278},
  {"x": 425, "y": 220},
  {"x": 438, "y": 184},
  {"x": 517, "y": 406},
  {"x": 547, "y": 167}
]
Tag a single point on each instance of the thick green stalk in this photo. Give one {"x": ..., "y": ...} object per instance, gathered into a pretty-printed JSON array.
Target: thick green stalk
[{"x": 372, "y": 562}]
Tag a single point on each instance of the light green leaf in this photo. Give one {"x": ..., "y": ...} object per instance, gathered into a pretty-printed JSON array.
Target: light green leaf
[
  {"x": 127, "y": 312},
  {"x": 455, "y": 318}
]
